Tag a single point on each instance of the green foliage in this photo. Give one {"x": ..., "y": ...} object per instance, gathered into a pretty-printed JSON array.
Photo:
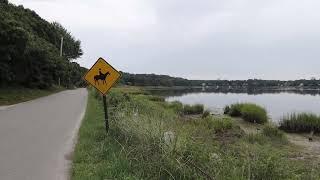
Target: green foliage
[
  {"x": 71, "y": 46},
  {"x": 14, "y": 95},
  {"x": 176, "y": 106},
  {"x": 301, "y": 122},
  {"x": 156, "y": 98},
  {"x": 254, "y": 113},
  {"x": 226, "y": 110},
  {"x": 193, "y": 109},
  {"x": 235, "y": 110},
  {"x": 29, "y": 51},
  {"x": 256, "y": 138},
  {"x": 249, "y": 112},
  {"x": 219, "y": 124},
  {"x": 4, "y": 1},
  {"x": 136, "y": 147},
  {"x": 220, "y": 85},
  {"x": 274, "y": 133}
]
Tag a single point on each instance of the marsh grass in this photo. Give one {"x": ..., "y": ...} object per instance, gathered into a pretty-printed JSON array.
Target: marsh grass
[
  {"x": 135, "y": 147},
  {"x": 300, "y": 122},
  {"x": 248, "y": 111},
  {"x": 205, "y": 114},
  {"x": 193, "y": 109}
]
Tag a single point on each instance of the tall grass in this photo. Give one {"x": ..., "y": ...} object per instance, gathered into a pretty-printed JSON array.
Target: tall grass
[
  {"x": 248, "y": 111},
  {"x": 300, "y": 122},
  {"x": 137, "y": 147},
  {"x": 193, "y": 109},
  {"x": 274, "y": 133}
]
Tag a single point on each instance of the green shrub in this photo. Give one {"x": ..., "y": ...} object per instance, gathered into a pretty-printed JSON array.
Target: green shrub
[
  {"x": 226, "y": 110},
  {"x": 235, "y": 110},
  {"x": 254, "y": 113},
  {"x": 205, "y": 114},
  {"x": 193, "y": 109},
  {"x": 302, "y": 122},
  {"x": 249, "y": 112}
]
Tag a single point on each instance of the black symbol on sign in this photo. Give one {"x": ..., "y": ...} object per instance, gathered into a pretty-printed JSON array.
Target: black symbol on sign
[{"x": 101, "y": 77}]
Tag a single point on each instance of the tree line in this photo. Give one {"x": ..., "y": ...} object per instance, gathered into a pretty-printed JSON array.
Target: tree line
[
  {"x": 29, "y": 50},
  {"x": 164, "y": 80}
]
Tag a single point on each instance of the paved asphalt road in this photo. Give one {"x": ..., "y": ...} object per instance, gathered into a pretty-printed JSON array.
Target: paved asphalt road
[{"x": 37, "y": 137}]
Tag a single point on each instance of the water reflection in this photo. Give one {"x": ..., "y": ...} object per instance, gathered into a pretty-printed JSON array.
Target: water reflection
[
  {"x": 277, "y": 103},
  {"x": 180, "y": 92}
]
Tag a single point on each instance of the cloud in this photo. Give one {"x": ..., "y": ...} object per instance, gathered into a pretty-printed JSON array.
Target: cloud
[{"x": 207, "y": 39}]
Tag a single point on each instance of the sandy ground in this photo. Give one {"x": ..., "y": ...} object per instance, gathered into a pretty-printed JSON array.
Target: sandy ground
[{"x": 309, "y": 149}]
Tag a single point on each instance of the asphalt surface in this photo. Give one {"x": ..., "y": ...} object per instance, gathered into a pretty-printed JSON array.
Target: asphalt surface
[{"x": 37, "y": 137}]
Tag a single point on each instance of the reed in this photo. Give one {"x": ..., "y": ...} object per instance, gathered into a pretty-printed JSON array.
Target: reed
[{"x": 300, "y": 122}]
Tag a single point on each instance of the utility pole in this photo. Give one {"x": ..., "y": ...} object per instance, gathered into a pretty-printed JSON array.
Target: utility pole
[{"x": 61, "y": 46}]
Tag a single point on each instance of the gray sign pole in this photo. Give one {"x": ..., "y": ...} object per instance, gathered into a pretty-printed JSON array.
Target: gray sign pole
[{"x": 106, "y": 112}]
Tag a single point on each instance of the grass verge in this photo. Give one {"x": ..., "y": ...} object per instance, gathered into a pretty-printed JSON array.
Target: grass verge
[
  {"x": 13, "y": 95},
  {"x": 151, "y": 140}
]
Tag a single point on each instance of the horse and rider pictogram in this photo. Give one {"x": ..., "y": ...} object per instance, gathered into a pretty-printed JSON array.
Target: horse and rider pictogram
[{"x": 101, "y": 77}]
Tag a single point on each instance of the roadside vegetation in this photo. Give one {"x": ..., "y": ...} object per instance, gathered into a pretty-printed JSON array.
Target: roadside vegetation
[
  {"x": 155, "y": 140},
  {"x": 301, "y": 123},
  {"x": 15, "y": 95},
  {"x": 248, "y": 111},
  {"x": 30, "y": 51}
]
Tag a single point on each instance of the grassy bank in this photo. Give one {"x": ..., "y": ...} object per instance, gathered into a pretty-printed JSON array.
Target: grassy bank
[
  {"x": 301, "y": 122},
  {"x": 151, "y": 139},
  {"x": 13, "y": 95}
]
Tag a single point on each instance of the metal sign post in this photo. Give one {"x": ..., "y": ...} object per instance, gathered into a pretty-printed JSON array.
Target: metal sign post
[
  {"x": 106, "y": 117},
  {"x": 103, "y": 76}
]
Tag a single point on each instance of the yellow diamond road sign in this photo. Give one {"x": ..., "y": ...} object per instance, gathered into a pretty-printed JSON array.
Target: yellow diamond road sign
[{"x": 102, "y": 76}]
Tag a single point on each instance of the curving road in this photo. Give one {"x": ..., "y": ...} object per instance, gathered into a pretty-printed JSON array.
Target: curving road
[{"x": 37, "y": 137}]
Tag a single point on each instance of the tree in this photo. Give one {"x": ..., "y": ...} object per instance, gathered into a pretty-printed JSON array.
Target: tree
[{"x": 71, "y": 47}]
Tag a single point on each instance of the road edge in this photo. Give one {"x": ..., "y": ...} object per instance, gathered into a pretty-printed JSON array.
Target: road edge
[{"x": 67, "y": 156}]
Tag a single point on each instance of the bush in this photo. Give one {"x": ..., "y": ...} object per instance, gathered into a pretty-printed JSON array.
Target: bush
[
  {"x": 205, "y": 114},
  {"x": 193, "y": 109},
  {"x": 254, "y": 113},
  {"x": 249, "y": 112},
  {"x": 303, "y": 122},
  {"x": 226, "y": 110},
  {"x": 235, "y": 110}
]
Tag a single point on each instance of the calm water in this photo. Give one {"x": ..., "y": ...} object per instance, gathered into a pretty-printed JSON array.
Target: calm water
[{"x": 277, "y": 104}]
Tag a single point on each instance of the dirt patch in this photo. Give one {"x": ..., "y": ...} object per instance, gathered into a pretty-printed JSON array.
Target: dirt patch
[{"x": 309, "y": 150}]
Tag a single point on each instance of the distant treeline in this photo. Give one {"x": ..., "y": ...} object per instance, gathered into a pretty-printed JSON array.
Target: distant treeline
[
  {"x": 164, "y": 80},
  {"x": 29, "y": 50}
]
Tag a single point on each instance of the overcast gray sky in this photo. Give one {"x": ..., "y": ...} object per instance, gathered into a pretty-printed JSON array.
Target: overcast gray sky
[{"x": 203, "y": 39}]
